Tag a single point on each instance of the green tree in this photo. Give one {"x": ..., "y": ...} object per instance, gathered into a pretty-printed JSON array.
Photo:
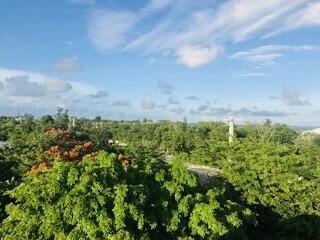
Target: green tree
[
  {"x": 99, "y": 199},
  {"x": 280, "y": 184},
  {"x": 61, "y": 119}
]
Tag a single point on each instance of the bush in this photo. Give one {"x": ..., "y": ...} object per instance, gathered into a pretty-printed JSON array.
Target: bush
[
  {"x": 279, "y": 183},
  {"x": 100, "y": 199}
]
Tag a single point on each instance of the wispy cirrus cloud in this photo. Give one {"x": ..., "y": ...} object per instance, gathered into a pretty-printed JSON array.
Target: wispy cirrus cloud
[
  {"x": 268, "y": 54},
  {"x": 309, "y": 16},
  {"x": 108, "y": 29},
  {"x": 195, "y": 32},
  {"x": 251, "y": 74}
]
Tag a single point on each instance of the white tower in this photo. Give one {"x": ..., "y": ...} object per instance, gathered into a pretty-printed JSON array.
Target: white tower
[{"x": 231, "y": 129}]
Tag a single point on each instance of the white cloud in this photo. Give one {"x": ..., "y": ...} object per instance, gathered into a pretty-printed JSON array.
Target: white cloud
[
  {"x": 309, "y": 16},
  {"x": 156, "y": 5},
  {"x": 82, "y": 89},
  {"x": 195, "y": 56},
  {"x": 305, "y": 17},
  {"x": 108, "y": 29},
  {"x": 251, "y": 74},
  {"x": 245, "y": 18},
  {"x": 268, "y": 54},
  {"x": 67, "y": 65},
  {"x": 194, "y": 30}
]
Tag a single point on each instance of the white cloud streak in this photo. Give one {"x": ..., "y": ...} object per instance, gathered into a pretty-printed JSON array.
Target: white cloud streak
[
  {"x": 107, "y": 29},
  {"x": 195, "y": 31},
  {"x": 268, "y": 54}
]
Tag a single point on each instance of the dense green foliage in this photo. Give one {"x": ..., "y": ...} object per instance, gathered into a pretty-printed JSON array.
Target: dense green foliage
[
  {"x": 98, "y": 199},
  {"x": 279, "y": 179},
  {"x": 268, "y": 187}
]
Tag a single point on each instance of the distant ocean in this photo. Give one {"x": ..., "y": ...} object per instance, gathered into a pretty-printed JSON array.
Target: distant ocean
[{"x": 303, "y": 128}]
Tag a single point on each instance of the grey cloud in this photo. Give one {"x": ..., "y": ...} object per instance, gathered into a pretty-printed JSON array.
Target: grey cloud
[
  {"x": 270, "y": 113},
  {"x": 173, "y": 101},
  {"x": 247, "y": 112},
  {"x": 99, "y": 94},
  {"x": 165, "y": 88},
  {"x": 56, "y": 85},
  {"x": 23, "y": 86},
  {"x": 162, "y": 107},
  {"x": 121, "y": 103},
  {"x": 222, "y": 111},
  {"x": 67, "y": 65},
  {"x": 203, "y": 107},
  {"x": 219, "y": 111},
  {"x": 293, "y": 98},
  {"x": 1, "y": 86},
  {"x": 148, "y": 103},
  {"x": 178, "y": 110},
  {"x": 273, "y": 98},
  {"x": 194, "y": 98}
]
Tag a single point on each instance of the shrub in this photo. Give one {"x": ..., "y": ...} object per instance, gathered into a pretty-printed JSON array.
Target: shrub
[{"x": 99, "y": 199}]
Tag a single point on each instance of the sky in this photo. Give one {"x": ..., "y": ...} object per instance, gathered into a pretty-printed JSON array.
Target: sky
[{"x": 204, "y": 60}]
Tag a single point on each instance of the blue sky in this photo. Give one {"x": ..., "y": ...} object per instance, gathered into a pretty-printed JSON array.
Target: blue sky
[{"x": 162, "y": 59}]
